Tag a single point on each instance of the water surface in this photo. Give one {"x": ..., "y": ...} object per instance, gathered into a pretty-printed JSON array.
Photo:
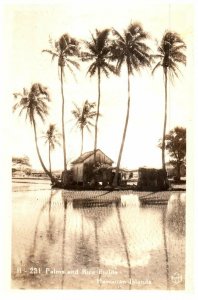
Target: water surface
[{"x": 96, "y": 240}]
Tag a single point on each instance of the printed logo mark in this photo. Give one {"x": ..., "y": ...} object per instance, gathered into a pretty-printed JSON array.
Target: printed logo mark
[{"x": 176, "y": 278}]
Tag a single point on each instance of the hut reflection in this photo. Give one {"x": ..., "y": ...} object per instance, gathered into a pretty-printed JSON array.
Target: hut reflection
[{"x": 96, "y": 212}]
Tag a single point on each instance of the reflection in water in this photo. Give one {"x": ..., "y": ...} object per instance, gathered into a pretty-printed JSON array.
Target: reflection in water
[
  {"x": 50, "y": 230},
  {"x": 97, "y": 211},
  {"x": 165, "y": 247},
  {"x": 125, "y": 243},
  {"x": 97, "y": 248},
  {"x": 49, "y": 233},
  {"x": 92, "y": 231},
  {"x": 176, "y": 214},
  {"x": 63, "y": 242}
]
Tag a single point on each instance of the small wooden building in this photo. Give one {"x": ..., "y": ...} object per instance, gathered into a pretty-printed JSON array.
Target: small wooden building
[{"x": 88, "y": 158}]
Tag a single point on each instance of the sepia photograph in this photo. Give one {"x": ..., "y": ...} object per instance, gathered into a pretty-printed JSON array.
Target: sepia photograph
[{"x": 100, "y": 133}]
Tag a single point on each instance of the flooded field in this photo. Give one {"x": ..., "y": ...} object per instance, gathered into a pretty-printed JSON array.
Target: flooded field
[{"x": 96, "y": 240}]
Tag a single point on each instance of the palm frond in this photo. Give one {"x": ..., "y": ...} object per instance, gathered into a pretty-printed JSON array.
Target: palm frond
[
  {"x": 50, "y": 52},
  {"x": 21, "y": 111},
  {"x": 71, "y": 70},
  {"x": 118, "y": 35},
  {"x": 92, "y": 69},
  {"x": 89, "y": 130},
  {"x": 105, "y": 71},
  {"x": 157, "y": 56},
  {"x": 74, "y": 63},
  {"x": 156, "y": 67},
  {"x": 102, "y": 39},
  {"x": 15, "y": 107},
  {"x": 120, "y": 62}
]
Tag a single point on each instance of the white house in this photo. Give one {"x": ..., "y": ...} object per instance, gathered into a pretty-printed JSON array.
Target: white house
[{"x": 88, "y": 157}]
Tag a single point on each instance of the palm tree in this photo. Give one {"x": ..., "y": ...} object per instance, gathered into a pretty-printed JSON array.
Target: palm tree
[
  {"x": 52, "y": 137},
  {"x": 65, "y": 49},
  {"x": 33, "y": 103},
  {"x": 170, "y": 55},
  {"x": 83, "y": 118},
  {"x": 130, "y": 49},
  {"x": 98, "y": 52}
]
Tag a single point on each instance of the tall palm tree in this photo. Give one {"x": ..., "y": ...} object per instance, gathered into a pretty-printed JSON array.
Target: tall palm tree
[
  {"x": 170, "y": 54},
  {"x": 65, "y": 49},
  {"x": 98, "y": 52},
  {"x": 52, "y": 137},
  {"x": 83, "y": 118},
  {"x": 34, "y": 104},
  {"x": 130, "y": 49}
]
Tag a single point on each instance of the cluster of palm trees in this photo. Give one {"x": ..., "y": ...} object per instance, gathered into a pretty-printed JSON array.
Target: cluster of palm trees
[{"x": 107, "y": 52}]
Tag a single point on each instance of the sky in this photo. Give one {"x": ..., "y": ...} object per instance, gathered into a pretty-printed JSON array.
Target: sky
[{"x": 28, "y": 28}]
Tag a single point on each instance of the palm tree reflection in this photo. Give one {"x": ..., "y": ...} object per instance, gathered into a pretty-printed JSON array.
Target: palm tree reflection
[
  {"x": 173, "y": 219},
  {"x": 63, "y": 243},
  {"x": 42, "y": 259},
  {"x": 164, "y": 211},
  {"x": 124, "y": 243},
  {"x": 38, "y": 221},
  {"x": 176, "y": 215}
]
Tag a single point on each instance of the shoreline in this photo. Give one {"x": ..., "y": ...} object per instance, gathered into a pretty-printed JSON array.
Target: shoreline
[{"x": 174, "y": 187}]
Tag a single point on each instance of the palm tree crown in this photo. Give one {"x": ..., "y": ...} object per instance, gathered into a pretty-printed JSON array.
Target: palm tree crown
[
  {"x": 170, "y": 53},
  {"x": 98, "y": 51},
  {"x": 52, "y": 136},
  {"x": 130, "y": 48},
  {"x": 33, "y": 102},
  {"x": 64, "y": 49},
  {"x": 84, "y": 116}
]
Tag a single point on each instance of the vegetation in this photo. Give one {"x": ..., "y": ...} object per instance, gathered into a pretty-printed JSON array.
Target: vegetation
[
  {"x": 22, "y": 160},
  {"x": 130, "y": 49},
  {"x": 107, "y": 52},
  {"x": 83, "y": 117},
  {"x": 21, "y": 163},
  {"x": 66, "y": 50},
  {"x": 98, "y": 53},
  {"x": 34, "y": 104},
  {"x": 175, "y": 144},
  {"x": 100, "y": 173},
  {"x": 52, "y": 138},
  {"x": 170, "y": 56}
]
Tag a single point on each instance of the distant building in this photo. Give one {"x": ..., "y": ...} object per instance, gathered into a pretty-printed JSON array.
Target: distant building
[
  {"x": 88, "y": 158},
  {"x": 39, "y": 174}
]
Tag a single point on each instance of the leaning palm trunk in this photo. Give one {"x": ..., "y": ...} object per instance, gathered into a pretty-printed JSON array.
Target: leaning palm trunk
[
  {"x": 165, "y": 121},
  {"x": 63, "y": 124},
  {"x": 39, "y": 155},
  {"x": 97, "y": 116},
  {"x": 115, "y": 180}
]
